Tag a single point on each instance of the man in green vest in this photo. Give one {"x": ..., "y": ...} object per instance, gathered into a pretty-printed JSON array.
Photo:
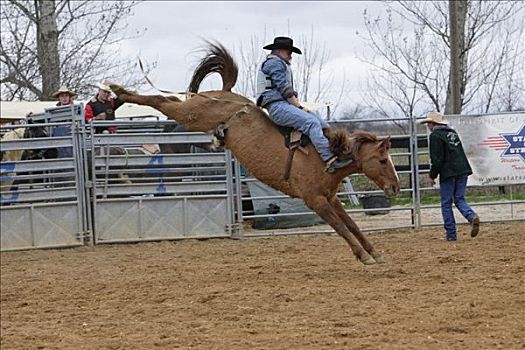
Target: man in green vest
[{"x": 448, "y": 160}]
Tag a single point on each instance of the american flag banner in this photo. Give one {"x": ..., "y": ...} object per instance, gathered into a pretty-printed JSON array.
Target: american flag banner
[{"x": 494, "y": 145}]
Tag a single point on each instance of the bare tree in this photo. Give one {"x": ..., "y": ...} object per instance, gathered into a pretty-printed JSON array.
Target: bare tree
[
  {"x": 404, "y": 65},
  {"x": 313, "y": 81},
  {"x": 457, "y": 11},
  {"x": 426, "y": 67},
  {"x": 504, "y": 83},
  {"x": 406, "y": 69},
  {"x": 45, "y": 43},
  {"x": 252, "y": 55}
]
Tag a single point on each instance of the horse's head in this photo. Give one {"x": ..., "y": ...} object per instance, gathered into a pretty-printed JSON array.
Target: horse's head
[
  {"x": 376, "y": 163},
  {"x": 371, "y": 154}
]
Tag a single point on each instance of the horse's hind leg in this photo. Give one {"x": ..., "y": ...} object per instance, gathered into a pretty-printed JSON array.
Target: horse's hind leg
[
  {"x": 325, "y": 210},
  {"x": 154, "y": 101},
  {"x": 351, "y": 225}
]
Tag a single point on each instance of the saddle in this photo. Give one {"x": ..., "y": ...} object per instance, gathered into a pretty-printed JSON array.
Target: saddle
[{"x": 293, "y": 140}]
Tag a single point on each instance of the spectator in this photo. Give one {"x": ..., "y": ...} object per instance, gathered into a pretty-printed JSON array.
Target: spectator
[
  {"x": 448, "y": 160},
  {"x": 65, "y": 96},
  {"x": 102, "y": 107}
]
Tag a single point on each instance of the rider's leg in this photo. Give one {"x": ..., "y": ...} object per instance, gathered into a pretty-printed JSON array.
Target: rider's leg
[{"x": 283, "y": 113}]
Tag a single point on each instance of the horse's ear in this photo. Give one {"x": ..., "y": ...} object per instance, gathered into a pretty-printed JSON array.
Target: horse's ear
[{"x": 384, "y": 145}]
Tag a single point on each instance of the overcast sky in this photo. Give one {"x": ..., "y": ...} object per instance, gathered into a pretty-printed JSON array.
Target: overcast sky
[{"x": 174, "y": 31}]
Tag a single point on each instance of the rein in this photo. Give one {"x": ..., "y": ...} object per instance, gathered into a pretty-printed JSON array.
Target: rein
[{"x": 151, "y": 83}]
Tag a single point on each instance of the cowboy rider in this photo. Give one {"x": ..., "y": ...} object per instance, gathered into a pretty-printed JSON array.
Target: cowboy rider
[{"x": 275, "y": 92}]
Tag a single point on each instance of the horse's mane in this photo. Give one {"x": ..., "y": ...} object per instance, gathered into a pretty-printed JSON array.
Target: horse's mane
[
  {"x": 363, "y": 136},
  {"x": 216, "y": 60},
  {"x": 340, "y": 140}
]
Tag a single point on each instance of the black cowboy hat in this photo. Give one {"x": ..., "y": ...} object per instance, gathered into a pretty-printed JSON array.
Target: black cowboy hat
[{"x": 283, "y": 42}]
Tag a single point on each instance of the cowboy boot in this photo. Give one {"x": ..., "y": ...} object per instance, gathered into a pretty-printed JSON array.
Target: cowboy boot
[
  {"x": 335, "y": 163},
  {"x": 475, "y": 226}
]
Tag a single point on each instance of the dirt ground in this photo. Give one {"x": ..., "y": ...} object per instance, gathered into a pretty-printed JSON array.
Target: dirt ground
[{"x": 300, "y": 292}]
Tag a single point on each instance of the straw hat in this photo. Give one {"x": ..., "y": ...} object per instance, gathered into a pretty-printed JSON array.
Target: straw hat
[
  {"x": 64, "y": 89},
  {"x": 434, "y": 117},
  {"x": 104, "y": 87}
]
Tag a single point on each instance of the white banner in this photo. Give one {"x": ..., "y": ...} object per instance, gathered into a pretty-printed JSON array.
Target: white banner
[{"x": 494, "y": 145}]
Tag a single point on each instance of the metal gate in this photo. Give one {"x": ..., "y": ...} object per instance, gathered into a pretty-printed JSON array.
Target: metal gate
[
  {"x": 140, "y": 195},
  {"x": 42, "y": 199}
]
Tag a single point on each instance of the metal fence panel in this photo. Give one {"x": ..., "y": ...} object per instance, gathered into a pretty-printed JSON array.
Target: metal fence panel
[
  {"x": 156, "y": 219},
  {"x": 40, "y": 226},
  {"x": 138, "y": 197},
  {"x": 133, "y": 196},
  {"x": 42, "y": 202}
]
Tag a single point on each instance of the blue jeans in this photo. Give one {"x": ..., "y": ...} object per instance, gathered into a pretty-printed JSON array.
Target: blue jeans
[
  {"x": 453, "y": 190},
  {"x": 285, "y": 114}
]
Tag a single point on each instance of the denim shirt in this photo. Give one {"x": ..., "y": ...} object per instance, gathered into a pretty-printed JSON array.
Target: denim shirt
[{"x": 276, "y": 68}]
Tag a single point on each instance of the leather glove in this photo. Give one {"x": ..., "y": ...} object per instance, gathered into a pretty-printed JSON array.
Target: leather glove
[{"x": 304, "y": 109}]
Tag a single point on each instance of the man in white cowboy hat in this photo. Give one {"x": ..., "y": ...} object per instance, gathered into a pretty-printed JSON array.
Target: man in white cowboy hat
[
  {"x": 65, "y": 96},
  {"x": 102, "y": 107},
  {"x": 275, "y": 92},
  {"x": 448, "y": 160}
]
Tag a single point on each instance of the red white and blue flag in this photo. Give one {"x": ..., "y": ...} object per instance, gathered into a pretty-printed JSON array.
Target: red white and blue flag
[{"x": 494, "y": 145}]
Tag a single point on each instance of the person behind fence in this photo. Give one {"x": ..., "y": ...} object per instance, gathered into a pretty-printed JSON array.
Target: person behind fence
[
  {"x": 65, "y": 96},
  {"x": 275, "y": 92},
  {"x": 103, "y": 107},
  {"x": 449, "y": 162}
]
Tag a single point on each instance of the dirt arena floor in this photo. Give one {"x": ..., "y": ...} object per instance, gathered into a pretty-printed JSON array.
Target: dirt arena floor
[{"x": 301, "y": 292}]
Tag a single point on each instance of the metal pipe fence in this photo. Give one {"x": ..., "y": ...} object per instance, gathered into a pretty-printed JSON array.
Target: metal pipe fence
[{"x": 115, "y": 187}]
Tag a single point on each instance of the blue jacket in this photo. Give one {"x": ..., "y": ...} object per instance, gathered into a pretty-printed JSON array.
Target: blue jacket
[{"x": 282, "y": 86}]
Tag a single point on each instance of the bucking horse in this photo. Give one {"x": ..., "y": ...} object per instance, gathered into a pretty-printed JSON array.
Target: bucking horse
[{"x": 258, "y": 145}]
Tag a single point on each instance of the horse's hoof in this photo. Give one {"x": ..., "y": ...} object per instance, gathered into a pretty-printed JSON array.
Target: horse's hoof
[
  {"x": 379, "y": 259},
  {"x": 369, "y": 261}
]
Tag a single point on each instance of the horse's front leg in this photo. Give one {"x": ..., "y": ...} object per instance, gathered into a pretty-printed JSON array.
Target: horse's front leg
[
  {"x": 351, "y": 225},
  {"x": 325, "y": 210}
]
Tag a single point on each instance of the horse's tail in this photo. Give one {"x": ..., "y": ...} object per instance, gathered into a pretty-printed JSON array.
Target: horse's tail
[{"x": 217, "y": 60}]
